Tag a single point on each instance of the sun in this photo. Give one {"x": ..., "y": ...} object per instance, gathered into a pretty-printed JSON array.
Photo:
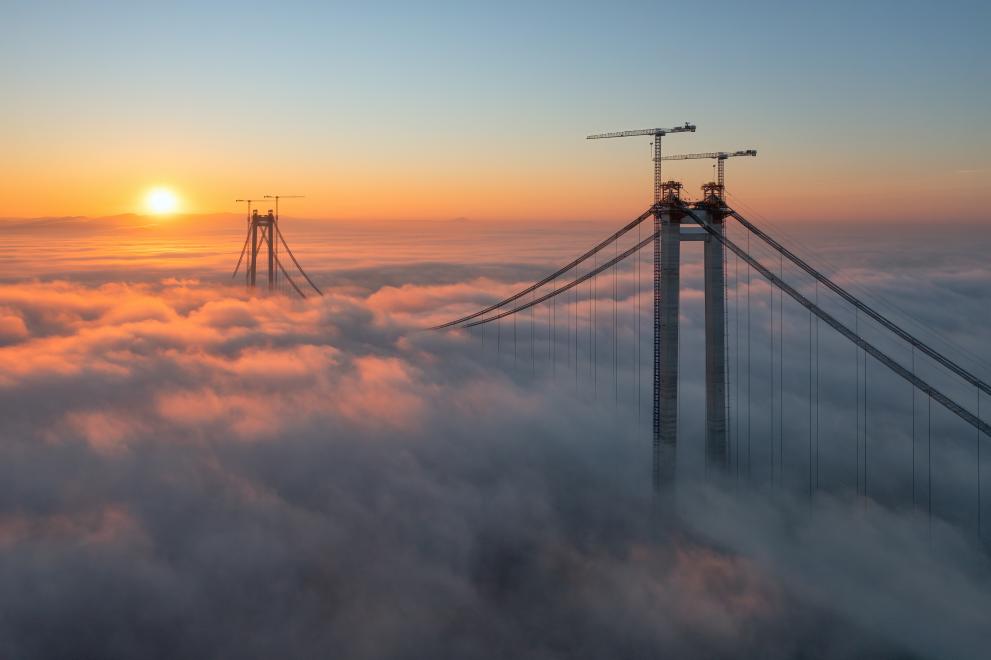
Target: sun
[{"x": 161, "y": 201}]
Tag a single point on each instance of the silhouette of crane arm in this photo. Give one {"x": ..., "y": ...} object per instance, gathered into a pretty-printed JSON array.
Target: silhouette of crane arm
[{"x": 687, "y": 128}]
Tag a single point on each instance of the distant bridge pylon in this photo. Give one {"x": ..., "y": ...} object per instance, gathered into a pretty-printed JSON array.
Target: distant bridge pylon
[{"x": 264, "y": 233}]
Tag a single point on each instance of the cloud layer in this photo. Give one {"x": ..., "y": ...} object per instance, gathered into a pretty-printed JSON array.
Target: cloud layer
[{"x": 189, "y": 471}]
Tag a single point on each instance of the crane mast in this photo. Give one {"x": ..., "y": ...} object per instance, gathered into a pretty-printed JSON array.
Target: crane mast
[{"x": 667, "y": 240}]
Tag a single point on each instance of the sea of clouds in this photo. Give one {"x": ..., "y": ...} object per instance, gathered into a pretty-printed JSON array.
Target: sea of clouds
[{"x": 190, "y": 471}]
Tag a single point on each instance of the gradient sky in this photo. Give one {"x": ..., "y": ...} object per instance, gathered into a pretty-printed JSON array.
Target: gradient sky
[
  {"x": 190, "y": 469},
  {"x": 392, "y": 111}
]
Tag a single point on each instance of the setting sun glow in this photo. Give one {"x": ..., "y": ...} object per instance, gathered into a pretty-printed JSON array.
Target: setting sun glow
[{"x": 161, "y": 201}]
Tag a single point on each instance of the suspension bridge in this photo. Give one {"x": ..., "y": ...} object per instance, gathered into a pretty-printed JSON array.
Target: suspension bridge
[
  {"x": 782, "y": 431},
  {"x": 764, "y": 419}
]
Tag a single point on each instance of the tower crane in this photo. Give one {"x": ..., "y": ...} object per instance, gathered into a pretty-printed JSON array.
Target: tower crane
[
  {"x": 657, "y": 134},
  {"x": 720, "y": 157}
]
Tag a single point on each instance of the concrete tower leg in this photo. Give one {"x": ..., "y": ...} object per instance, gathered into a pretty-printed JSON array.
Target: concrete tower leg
[
  {"x": 270, "y": 239},
  {"x": 666, "y": 308},
  {"x": 715, "y": 348},
  {"x": 253, "y": 260}
]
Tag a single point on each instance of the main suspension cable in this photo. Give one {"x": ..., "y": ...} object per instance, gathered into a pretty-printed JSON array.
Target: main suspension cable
[
  {"x": 293, "y": 257},
  {"x": 553, "y": 276},
  {"x": 289, "y": 279},
  {"x": 876, "y": 353},
  {"x": 850, "y": 298},
  {"x": 548, "y": 296}
]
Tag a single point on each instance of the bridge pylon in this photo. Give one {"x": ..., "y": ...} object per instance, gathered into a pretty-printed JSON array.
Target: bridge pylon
[
  {"x": 669, "y": 232},
  {"x": 262, "y": 229}
]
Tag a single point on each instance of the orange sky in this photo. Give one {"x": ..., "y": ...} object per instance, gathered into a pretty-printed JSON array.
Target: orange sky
[
  {"x": 406, "y": 114},
  {"x": 535, "y": 190}
]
